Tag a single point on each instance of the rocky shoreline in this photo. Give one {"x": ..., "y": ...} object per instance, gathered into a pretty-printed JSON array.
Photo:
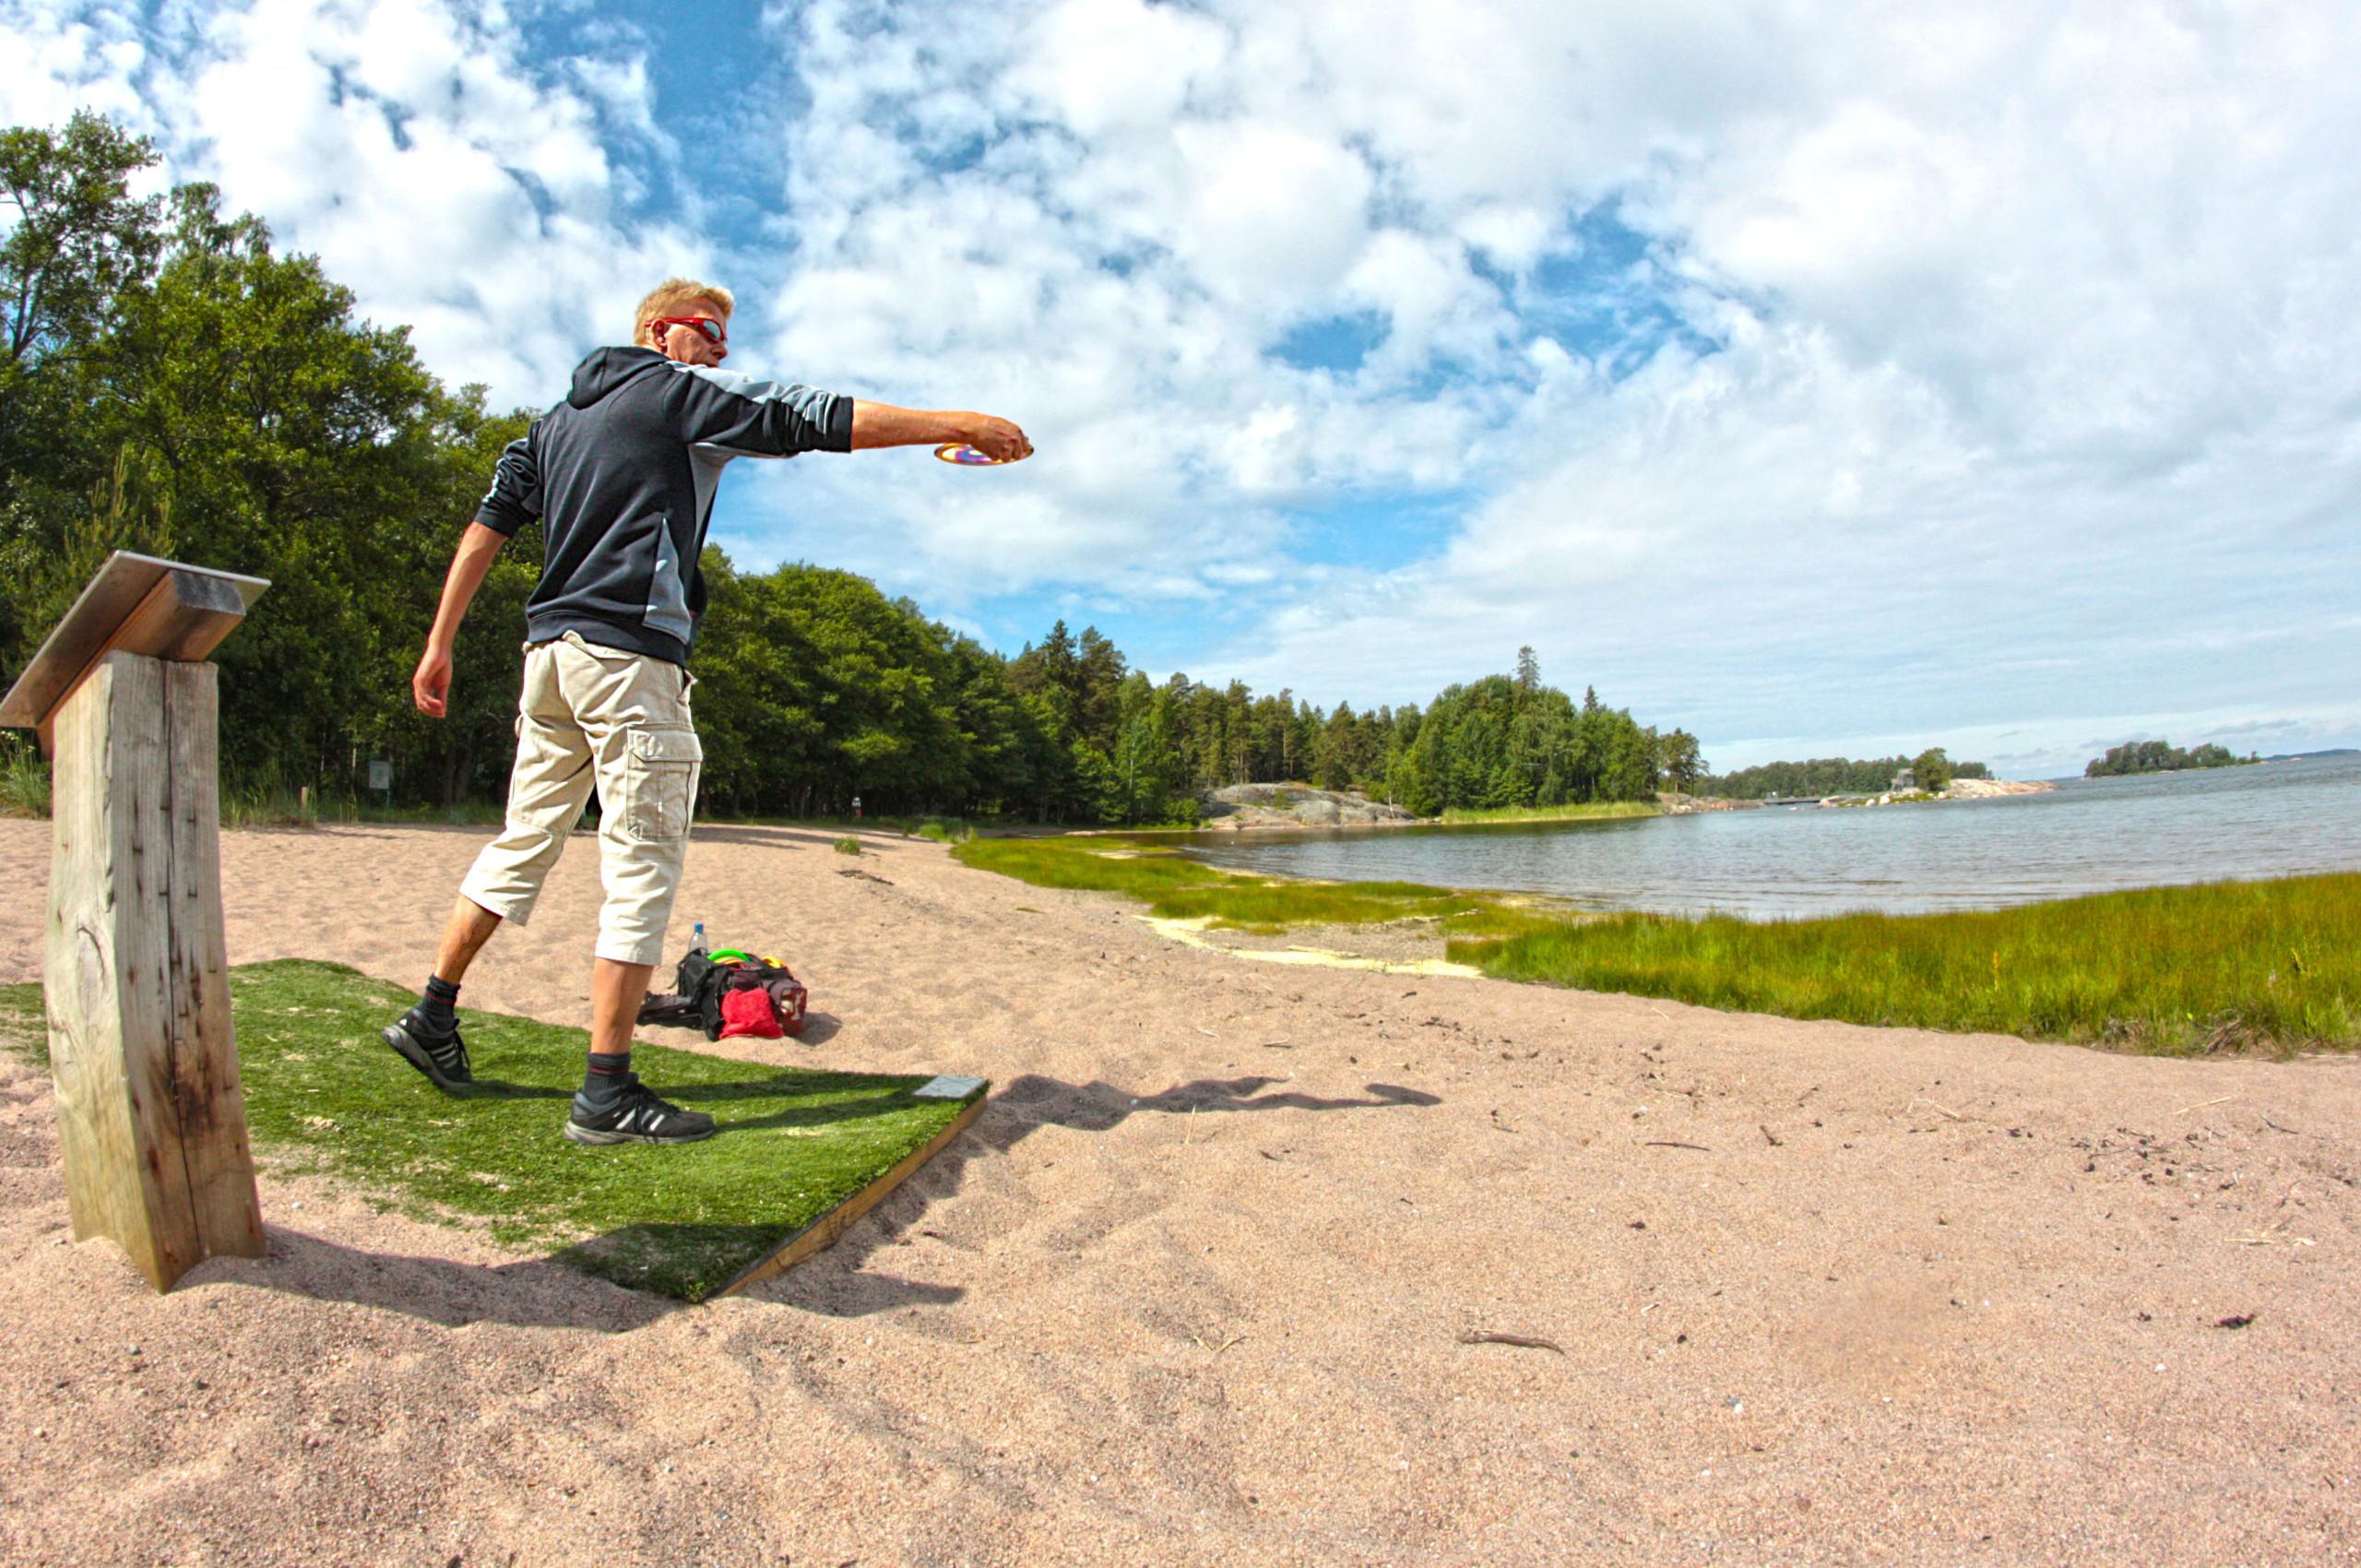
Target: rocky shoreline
[
  {"x": 1247, "y": 807},
  {"x": 1674, "y": 804}
]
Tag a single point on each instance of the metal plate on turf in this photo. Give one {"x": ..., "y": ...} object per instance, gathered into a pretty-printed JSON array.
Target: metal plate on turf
[{"x": 947, "y": 1086}]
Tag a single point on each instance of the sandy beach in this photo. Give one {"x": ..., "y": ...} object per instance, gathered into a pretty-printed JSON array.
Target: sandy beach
[{"x": 1198, "y": 1288}]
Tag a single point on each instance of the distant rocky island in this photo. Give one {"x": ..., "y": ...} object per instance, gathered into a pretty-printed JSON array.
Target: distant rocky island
[
  {"x": 1931, "y": 771},
  {"x": 2160, "y": 756},
  {"x": 1674, "y": 805},
  {"x": 1844, "y": 781}
]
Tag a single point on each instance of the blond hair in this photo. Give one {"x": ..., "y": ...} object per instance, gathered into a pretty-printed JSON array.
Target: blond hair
[{"x": 668, "y": 297}]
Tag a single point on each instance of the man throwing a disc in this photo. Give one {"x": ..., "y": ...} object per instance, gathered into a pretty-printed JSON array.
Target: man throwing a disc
[{"x": 621, "y": 473}]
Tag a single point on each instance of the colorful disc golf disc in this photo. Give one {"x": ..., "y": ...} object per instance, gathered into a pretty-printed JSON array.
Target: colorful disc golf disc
[{"x": 967, "y": 457}]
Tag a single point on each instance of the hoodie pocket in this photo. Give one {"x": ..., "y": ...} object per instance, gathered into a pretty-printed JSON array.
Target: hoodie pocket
[{"x": 659, "y": 784}]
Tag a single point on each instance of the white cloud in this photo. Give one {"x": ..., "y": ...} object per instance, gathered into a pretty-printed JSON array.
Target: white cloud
[
  {"x": 1847, "y": 371},
  {"x": 1270, "y": 213},
  {"x": 407, "y": 143},
  {"x": 1112, "y": 67},
  {"x": 61, "y": 59}
]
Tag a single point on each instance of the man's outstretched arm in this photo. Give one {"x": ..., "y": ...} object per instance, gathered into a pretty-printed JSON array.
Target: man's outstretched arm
[
  {"x": 883, "y": 424},
  {"x": 430, "y": 684}
]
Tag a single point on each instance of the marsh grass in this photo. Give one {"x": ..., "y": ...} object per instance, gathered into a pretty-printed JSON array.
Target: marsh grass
[
  {"x": 25, "y": 791},
  {"x": 324, "y": 1097},
  {"x": 2269, "y": 967},
  {"x": 1176, "y": 887},
  {"x": 1588, "y": 811},
  {"x": 2272, "y": 967}
]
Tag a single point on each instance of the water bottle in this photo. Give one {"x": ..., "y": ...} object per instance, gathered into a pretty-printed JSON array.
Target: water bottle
[{"x": 697, "y": 940}]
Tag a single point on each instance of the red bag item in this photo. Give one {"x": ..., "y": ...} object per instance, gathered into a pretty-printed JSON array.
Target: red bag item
[{"x": 748, "y": 1012}]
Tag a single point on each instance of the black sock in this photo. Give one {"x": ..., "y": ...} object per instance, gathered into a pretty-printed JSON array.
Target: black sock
[
  {"x": 604, "y": 1080},
  {"x": 438, "y": 1005}
]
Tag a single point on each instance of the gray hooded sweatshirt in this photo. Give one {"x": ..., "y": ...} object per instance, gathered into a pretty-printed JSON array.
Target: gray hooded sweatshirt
[{"x": 623, "y": 474}]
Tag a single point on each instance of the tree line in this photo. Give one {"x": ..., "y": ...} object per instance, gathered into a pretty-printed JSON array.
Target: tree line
[
  {"x": 1141, "y": 751},
  {"x": 173, "y": 383},
  {"x": 2159, "y": 757},
  {"x": 1931, "y": 769}
]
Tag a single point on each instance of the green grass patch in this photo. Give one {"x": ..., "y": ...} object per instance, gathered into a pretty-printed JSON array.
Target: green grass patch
[
  {"x": 325, "y": 1098},
  {"x": 24, "y": 1029},
  {"x": 2226, "y": 966},
  {"x": 24, "y": 778},
  {"x": 1588, "y": 811},
  {"x": 1176, "y": 887}
]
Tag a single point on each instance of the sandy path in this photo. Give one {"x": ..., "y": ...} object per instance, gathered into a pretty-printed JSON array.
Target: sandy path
[{"x": 1185, "y": 1296}]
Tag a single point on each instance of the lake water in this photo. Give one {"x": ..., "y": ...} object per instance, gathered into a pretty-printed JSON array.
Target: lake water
[{"x": 2089, "y": 836}]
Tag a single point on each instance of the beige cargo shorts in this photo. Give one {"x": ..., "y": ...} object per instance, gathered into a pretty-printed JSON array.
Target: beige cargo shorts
[{"x": 597, "y": 718}]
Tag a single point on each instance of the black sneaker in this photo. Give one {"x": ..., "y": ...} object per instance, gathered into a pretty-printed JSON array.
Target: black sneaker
[
  {"x": 635, "y": 1116},
  {"x": 443, "y": 1058}
]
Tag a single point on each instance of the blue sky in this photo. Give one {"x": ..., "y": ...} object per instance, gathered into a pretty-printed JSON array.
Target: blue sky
[{"x": 1847, "y": 379}]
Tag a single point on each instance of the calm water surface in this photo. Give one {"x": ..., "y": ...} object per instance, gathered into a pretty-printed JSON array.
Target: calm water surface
[{"x": 2089, "y": 835}]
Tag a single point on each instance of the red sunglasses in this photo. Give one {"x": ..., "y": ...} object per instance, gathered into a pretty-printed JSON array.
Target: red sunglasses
[{"x": 712, "y": 331}]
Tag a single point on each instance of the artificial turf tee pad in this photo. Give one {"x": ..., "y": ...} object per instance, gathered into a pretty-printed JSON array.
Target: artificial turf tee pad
[{"x": 324, "y": 1097}]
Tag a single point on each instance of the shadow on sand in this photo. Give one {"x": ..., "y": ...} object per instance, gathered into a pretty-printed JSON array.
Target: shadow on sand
[
  {"x": 548, "y": 1293},
  {"x": 848, "y": 1288}
]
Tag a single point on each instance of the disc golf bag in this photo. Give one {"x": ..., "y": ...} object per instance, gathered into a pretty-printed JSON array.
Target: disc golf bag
[
  {"x": 783, "y": 995},
  {"x": 703, "y": 982}
]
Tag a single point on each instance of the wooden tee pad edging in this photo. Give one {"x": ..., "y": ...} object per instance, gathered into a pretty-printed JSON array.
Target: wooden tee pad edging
[{"x": 824, "y": 1232}]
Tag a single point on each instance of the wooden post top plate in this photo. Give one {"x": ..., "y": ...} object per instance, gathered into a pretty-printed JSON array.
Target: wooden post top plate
[{"x": 134, "y": 604}]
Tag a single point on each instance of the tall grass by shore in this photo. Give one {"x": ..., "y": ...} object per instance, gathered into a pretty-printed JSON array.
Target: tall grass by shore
[
  {"x": 24, "y": 780},
  {"x": 1176, "y": 887},
  {"x": 290, "y": 808},
  {"x": 1588, "y": 810},
  {"x": 2272, "y": 967},
  {"x": 25, "y": 792},
  {"x": 2224, "y": 967}
]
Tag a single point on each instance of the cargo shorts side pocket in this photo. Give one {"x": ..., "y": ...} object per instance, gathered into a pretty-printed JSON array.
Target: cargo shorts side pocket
[{"x": 659, "y": 783}]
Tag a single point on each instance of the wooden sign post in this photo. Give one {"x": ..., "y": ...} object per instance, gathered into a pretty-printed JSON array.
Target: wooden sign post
[{"x": 151, "y": 1117}]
